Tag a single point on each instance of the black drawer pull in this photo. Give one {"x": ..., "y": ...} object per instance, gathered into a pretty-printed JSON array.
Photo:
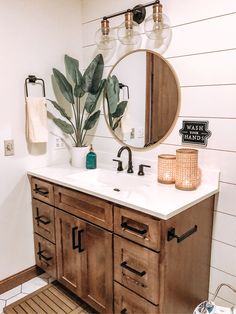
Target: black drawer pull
[
  {"x": 43, "y": 220},
  {"x": 40, "y": 254},
  {"x": 136, "y": 272},
  {"x": 41, "y": 191},
  {"x": 126, "y": 226},
  {"x": 171, "y": 234},
  {"x": 46, "y": 258},
  {"x": 74, "y": 245},
  {"x": 124, "y": 311}
]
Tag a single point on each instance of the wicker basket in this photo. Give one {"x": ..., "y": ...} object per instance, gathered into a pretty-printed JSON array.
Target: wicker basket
[
  {"x": 187, "y": 173},
  {"x": 166, "y": 168}
]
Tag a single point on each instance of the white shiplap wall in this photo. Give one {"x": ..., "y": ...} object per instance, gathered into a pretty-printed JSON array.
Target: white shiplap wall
[{"x": 203, "y": 54}]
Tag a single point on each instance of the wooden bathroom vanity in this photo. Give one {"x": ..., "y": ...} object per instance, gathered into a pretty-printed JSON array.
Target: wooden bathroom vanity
[{"x": 119, "y": 259}]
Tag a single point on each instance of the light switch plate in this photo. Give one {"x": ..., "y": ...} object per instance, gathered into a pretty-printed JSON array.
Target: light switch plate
[{"x": 9, "y": 147}]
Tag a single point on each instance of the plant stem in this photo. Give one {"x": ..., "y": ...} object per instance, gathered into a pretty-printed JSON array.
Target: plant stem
[
  {"x": 84, "y": 136},
  {"x": 74, "y": 126},
  {"x": 81, "y": 125}
]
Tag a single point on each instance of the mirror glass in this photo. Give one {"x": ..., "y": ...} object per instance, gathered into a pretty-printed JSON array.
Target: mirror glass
[{"x": 141, "y": 99}]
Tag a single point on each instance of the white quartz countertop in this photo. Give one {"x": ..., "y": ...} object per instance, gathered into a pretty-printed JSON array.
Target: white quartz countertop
[{"x": 142, "y": 193}]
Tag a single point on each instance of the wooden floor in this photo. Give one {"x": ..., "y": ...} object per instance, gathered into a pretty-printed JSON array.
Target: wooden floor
[{"x": 49, "y": 299}]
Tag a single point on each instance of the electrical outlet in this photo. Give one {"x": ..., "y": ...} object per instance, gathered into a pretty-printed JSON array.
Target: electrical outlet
[
  {"x": 9, "y": 147},
  {"x": 59, "y": 143}
]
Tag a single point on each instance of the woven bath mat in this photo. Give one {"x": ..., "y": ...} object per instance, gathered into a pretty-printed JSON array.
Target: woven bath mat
[{"x": 50, "y": 299}]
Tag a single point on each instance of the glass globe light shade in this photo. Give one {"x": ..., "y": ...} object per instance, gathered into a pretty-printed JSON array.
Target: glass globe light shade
[
  {"x": 105, "y": 36},
  {"x": 128, "y": 32},
  {"x": 157, "y": 25}
]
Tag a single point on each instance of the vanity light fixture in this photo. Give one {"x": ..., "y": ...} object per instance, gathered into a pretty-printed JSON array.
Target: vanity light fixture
[
  {"x": 156, "y": 26},
  {"x": 105, "y": 36},
  {"x": 128, "y": 32}
]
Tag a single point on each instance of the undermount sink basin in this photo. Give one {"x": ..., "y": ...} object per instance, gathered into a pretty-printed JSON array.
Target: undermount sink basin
[{"x": 110, "y": 179}]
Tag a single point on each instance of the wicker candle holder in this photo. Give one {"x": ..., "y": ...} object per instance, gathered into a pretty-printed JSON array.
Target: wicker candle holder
[
  {"x": 166, "y": 168},
  {"x": 187, "y": 177}
]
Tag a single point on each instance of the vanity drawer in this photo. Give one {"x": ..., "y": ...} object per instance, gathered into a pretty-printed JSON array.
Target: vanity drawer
[
  {"x": 44, "y": 219},
  {"x": 138, "y": 227},
  {"x": 45, "y": 253},
  {"x": 127, "y": 302},
  {"x": 91, "y": 208},
  {"x": 137, "y": 268},
  {"x": 42, "y": 190}
]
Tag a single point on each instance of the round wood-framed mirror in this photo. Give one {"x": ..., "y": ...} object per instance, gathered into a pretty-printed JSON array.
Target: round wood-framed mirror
[{"x": 141, "y": 99}]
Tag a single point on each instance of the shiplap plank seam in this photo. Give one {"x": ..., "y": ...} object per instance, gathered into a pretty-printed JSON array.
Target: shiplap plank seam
[
  {"x": 232, "y": 246},
  {"x": 228, "y": 183},
  {"x": 172, "y": 144},
  {"x": 224, "y": 273},
  {"x": 220, "y": 211},
  {"x": 173, "y": 26}
]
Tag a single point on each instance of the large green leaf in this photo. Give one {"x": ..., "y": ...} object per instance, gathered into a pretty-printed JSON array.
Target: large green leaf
[
  {"x": 93, "y": 75},
  {"x": 92, "y": 99},
  {"x": 64, "y": 126},
  {"x": 60, "y": 109},
  {"x": 72, "y": 68},
  {"x": 64, "y": 86},
  {"x": 112, "y": 93},
  {"x": 120, "y": 109},
  {"x": 116, "y": 124},
  {"x": 78, "y": 91},
  {"x": 91, "y": 121}
]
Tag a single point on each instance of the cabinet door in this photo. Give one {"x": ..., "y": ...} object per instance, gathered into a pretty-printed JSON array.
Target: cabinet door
[
  {"x": 69, "y": 233},
  {"x": 97, "y": 280}
]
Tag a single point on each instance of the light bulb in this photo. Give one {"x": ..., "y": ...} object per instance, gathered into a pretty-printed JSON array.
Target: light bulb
[
  {"x": 105, "y": 37},
  {"x": 157, "y": 25},
  {"x": 128, "y": 32}
]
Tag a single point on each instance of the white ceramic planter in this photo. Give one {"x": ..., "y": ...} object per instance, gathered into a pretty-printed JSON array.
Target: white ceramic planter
[{"x": 78, "y": 156}]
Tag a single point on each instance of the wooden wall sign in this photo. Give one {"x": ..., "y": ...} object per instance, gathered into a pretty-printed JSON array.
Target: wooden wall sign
[{"x": 195, "y": 132}]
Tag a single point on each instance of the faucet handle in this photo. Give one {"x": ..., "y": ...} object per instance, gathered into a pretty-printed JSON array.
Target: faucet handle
[
  {"x": 140, "y": 169},
  {"x": 120, "y": 167}
]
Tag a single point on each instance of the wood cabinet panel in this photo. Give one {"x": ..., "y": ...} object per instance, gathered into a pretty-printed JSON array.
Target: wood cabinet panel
[
  {"x": 127, "y": 302},
  {"x": 137, "y": 268},
  {"x": 91, "y": 208},
  {"x": 68, "y": 235},
  {"x": 138, "y": 227},
  {"x": 97, "y": 274},
  {"x": 44, "y": 220},
  {"x": 42, "y": 190},
  {"x": 45, "y": 253},
  {"x": 185, "y": 266},
  {"x": 84, "y": 253}
]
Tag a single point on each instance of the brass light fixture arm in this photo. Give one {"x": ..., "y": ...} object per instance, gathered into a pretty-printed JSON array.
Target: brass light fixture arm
[{"x": 139, "y": 12}]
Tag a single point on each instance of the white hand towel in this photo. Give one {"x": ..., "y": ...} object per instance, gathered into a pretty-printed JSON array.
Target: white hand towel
[{"x": 36, "y": 119}]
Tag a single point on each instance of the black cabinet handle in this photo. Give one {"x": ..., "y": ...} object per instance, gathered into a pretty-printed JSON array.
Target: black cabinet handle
[
  {"x": 40, "y": 254},
  {"x": 136, "y": 272},
  {"x": 80, "y": 241},
  {"x": 171, "y": 234},
  {"x": 74, "y": 245},
  {"x": 41, "y": 191},
  {"x": 46, "y": 258},
  {"x": 126, "y": 226},
  {"x": 124, "y": 311},
  {"x": 43, "y": 220}
]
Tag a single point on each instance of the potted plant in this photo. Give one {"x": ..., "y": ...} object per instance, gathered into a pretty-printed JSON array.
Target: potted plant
[{"x": 82, "y": 93}]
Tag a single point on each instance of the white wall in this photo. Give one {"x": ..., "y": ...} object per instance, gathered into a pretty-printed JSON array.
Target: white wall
[
  {"x": 34, "y": 36},
  {"x": 203, "y": 53}
]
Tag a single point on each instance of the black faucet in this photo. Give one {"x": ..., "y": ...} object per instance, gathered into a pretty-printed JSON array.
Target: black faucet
[{"x": 130, "y": 165}]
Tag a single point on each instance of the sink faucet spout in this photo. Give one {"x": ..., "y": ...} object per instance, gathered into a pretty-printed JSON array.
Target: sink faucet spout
[{"x": 130, "y": 165}]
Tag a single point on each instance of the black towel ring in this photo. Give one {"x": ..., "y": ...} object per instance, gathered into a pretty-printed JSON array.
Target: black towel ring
[{"x": 33, "y": 79}]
